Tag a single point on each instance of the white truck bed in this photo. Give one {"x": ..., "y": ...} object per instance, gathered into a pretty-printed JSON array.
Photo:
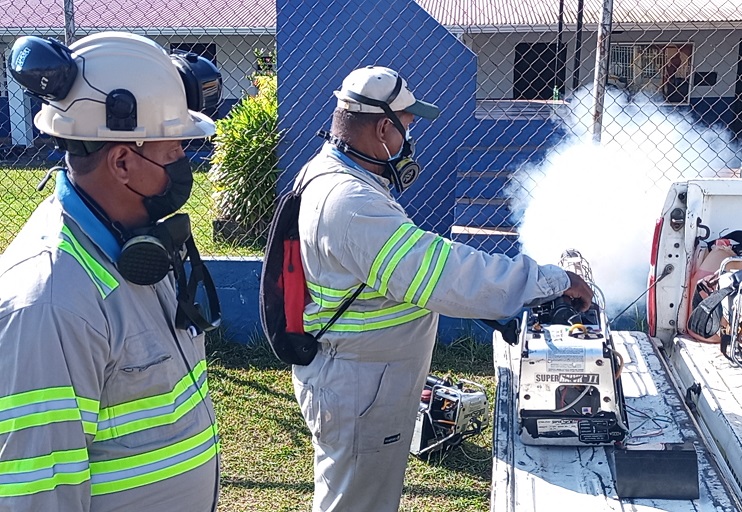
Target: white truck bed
[
  {"x": 719, "y": 403},
  {"x": 541, "y": 479}
]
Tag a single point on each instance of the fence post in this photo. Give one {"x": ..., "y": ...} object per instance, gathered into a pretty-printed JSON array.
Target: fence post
[
  {"x": 601, "y": 67},
  {"x": 69, "y": 22}
]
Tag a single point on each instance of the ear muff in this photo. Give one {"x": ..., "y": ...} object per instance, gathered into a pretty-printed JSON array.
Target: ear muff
[
  {"x": 201, "y": 79},
  {"x": 44, "y": 67}
]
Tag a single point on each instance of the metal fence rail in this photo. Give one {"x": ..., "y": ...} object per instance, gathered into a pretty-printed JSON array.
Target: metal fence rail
[{"x": 512, "y": 164}]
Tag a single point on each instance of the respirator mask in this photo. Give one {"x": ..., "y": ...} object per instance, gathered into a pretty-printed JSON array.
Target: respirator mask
[
  {"x": 150, "y": 253},
  {"x": 400, "y": 169}
]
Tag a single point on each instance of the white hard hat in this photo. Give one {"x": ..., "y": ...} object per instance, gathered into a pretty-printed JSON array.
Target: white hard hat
[
  {"x": 127, "y": 89},
  {"x": 382, "y": 84}
]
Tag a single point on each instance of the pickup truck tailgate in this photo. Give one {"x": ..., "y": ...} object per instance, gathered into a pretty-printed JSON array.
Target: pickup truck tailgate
[{"x": 546, "y": 478}]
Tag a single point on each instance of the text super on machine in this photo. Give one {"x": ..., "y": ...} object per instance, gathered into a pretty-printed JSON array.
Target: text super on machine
[{"x": 570, "y": 377}]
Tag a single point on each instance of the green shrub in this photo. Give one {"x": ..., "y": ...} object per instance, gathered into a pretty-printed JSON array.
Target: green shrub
[{"x": 244, "y": 163}]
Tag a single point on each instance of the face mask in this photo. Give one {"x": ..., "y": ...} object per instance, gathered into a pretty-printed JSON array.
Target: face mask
[
  {"x": 401, "y": 169},
  {"x": 398, "y": 154},
  {"x": 175, "y": 195}
]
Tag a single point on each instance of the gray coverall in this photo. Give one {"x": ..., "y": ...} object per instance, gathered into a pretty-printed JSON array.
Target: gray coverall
[
  {"x": 104, "y": 403},
  {"x": 360, "y": 395}
]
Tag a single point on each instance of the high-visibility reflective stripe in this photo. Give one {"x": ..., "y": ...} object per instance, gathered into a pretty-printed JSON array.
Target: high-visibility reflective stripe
[
  {"x": 46, "y": 406},
  {"x": 89, "y": 414},
  {"x": 146, "y": 468},
  {"x": 331, "y": 298},
  {"x": 392, "y": 258},
  {"x": 355, "y": 321},
  {"x": 386, "y": 260},
  {"x": 436, "y": 274},
  {"x": 103, "y": 280},
  {"x": 429, "y": 274},
  {"x": 154, "y": 411},
  {"x": 37, "y": 474}
]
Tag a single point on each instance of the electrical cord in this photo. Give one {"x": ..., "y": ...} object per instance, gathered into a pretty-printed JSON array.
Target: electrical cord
[{"x": 656, "y": 419}]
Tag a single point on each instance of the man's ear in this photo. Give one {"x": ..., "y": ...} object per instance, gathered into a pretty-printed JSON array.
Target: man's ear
[
  {"x": 119, "y": 160},
  {"x": 382, "y": 129}
]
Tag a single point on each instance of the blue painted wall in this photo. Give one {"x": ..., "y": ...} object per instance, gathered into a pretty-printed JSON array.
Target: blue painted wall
[{"x": 317, "y": 49}]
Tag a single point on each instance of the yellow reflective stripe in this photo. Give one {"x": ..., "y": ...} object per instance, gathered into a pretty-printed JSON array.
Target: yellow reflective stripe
[
  {"x": 67, "y": 467},
  {"x": 44, "y": 407},
  {"x": 398, "y": 255},
  {"x": 88, "y": 408},
  {"x": 332, "y": 298},
  {"x": 154, "y": 466},
  {"x": 436, "y": 274},
  {"x": 357, "y": 321},
  {"x": 120, "y": 427},
  {"x": 376, "y": 266},
  {"x": 36, "y": 396},
  {"x": 424, "y": 270},
  {"x": 103, "y": 280},
  {"x": 344, "y": 325}
]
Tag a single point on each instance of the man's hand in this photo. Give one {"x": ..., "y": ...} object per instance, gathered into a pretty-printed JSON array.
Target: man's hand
[{"x": 579, "y": 291}]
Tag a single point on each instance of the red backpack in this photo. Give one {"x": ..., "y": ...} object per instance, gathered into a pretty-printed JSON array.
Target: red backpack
[{"x": 283, "y": 288}]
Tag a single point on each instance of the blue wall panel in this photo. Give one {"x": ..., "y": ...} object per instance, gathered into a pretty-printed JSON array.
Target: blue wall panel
[{"x": 317, "y": 49}]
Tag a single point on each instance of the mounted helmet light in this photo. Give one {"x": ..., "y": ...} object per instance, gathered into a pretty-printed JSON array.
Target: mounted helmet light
[
  {"x": 93, "y": 91},
  {"x": 380, "y": 90}
]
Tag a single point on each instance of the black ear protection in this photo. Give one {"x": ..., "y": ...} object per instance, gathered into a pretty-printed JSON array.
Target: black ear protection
[
  {"x": 45, "y": 69},
  {"x": 201, "y": 79},
  {"x": 402, "y": 171}
]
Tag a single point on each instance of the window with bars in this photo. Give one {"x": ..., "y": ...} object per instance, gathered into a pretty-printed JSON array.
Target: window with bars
[{"x": 661, "y": 71}]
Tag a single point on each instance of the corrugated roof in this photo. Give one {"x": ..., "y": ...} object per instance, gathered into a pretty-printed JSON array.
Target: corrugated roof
[
  {"x": 489, "y": 13},
  {"x": 102, "y": 14},
  {"x": 261, "y": 14}
]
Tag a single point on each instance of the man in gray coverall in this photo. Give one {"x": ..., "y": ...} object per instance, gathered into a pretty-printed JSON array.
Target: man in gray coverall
[
  {"x": 360, "y": 394},
  {"x": 104, "y": 403}
]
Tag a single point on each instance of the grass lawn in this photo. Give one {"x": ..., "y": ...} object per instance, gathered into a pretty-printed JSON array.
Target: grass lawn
[
  {"x": 19, "y": 198},
  {"x": 266, "y": 448}
]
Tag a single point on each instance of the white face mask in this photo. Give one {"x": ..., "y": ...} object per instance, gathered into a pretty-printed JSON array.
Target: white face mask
[{"x": 398, "y": 154}]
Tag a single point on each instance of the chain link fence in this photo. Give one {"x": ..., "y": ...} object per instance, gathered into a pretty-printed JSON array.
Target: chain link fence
[{"x": 529, "y": 155}]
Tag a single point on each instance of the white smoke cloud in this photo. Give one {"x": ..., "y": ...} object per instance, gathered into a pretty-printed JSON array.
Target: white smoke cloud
[{"x": 603, "y": 200}]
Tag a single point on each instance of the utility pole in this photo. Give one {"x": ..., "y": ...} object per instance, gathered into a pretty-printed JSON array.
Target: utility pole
[
  {"x": 601, "y": 67},
  {"x": 578, "y": 45}
]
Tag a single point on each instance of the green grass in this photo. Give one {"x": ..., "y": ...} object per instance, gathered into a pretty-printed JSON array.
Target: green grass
[
  {"x": 266, "y": 448},
  {"x": 19, "y": 198}
]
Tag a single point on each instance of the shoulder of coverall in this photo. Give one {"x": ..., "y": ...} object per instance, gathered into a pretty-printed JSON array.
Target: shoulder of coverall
[{"x": 331, "y": 165}]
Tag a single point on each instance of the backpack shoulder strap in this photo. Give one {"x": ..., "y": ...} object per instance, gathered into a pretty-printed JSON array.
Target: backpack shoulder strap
[{"x": 343, "y": 307}]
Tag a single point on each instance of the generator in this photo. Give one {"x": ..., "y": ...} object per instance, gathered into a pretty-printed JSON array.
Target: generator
[
  {"x": 448, "y": 414},
  {"x": 570, "y": 389}
]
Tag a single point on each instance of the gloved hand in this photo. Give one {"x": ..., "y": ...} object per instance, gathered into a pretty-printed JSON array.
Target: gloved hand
[
  {"x": 579, "y": 291},
  {"x": 510, "y": 330}
]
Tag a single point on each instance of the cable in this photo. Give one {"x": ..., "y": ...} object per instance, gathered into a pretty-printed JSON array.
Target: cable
[
  {"x": 665, "y": 272},
  {"x": 654, "y": 419},
  {"x": 461, "y": 446}
]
